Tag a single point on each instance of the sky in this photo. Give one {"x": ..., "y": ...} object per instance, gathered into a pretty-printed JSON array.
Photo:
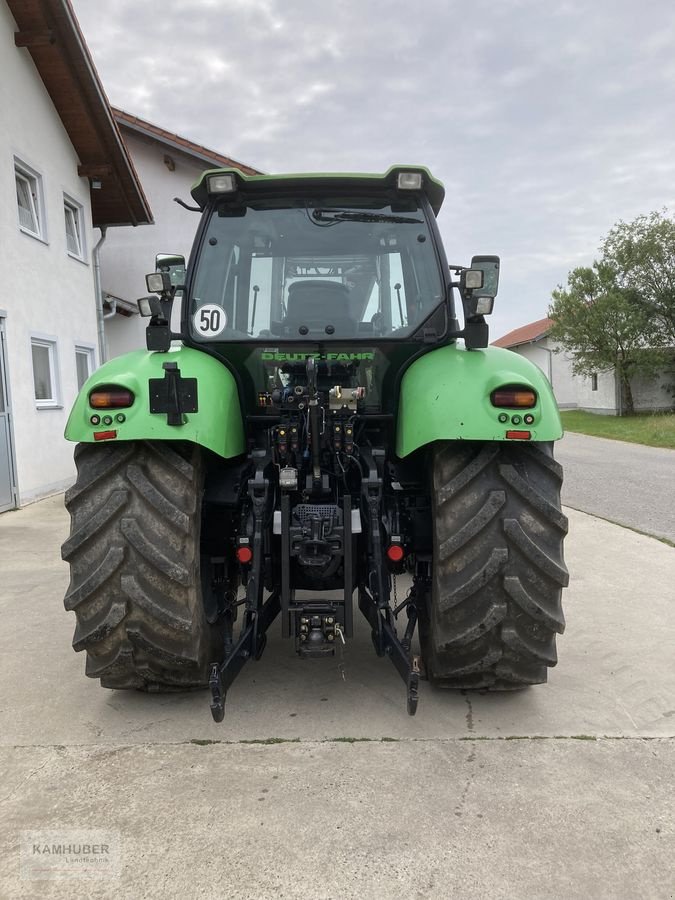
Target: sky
[{"x": 548, "y": 122}]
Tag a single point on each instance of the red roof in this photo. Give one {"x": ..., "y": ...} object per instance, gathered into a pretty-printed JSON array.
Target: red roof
[
  {"x": 176, "y": 142},
  {"x": 526, "y": 334}
]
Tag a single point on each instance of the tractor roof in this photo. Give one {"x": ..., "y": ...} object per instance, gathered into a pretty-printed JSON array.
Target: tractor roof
[{"x": 431, "y": 187}]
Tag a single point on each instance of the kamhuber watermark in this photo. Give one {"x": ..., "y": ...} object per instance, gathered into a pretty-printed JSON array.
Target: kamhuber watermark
[{"x": 70, "y": 853}]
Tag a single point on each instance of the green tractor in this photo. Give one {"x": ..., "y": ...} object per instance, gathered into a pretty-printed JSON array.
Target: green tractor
[{"x": 315, "y": 430}]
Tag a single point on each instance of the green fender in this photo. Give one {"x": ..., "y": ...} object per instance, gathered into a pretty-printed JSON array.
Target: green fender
[
  {"x": 216, "y": 425},
  {"x": 445, "y": 396}
]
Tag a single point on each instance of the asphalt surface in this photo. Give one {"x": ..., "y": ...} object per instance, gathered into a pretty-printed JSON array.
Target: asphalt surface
[
  {"x": 625, "y": 483},
  {"x": 317, "y": 784}
]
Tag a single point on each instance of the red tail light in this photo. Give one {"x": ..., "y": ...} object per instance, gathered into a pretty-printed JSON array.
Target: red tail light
[
  {"x": 395, "y": 552},
  {"x": 244, "y": 555},
  {"x": 519, "y": 435},
  {"x": 110, "y": 398},
  {"x": 514, "y": 396},
  {"x": 104, "y": 435}
]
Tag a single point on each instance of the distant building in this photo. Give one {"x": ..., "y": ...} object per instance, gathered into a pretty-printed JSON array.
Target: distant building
[
  {"x": 599, "y": 393},
  {"x": 532, "y": 342},
  {"x": 168, "y": 166},
  {"x": 64, "y": 170}
]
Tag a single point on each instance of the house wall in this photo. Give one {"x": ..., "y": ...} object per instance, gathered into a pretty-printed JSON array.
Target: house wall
[
  {"x": 45, "y": 290},
  {"x": 173, "y": 232},
  {"x": 576, "y": 391},
  {"x": 556, "y": 366},
  {"x": 654, "y": 394},
  {"x": 602, "y": 400}
]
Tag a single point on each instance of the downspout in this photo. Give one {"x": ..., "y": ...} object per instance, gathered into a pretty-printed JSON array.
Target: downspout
[{"x": 96, "y": 262}]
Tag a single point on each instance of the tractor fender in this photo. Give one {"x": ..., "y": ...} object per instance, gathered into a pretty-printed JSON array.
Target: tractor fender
[
  {"x": 445, "y": 395},
  {"x": 216, "y": 423}
]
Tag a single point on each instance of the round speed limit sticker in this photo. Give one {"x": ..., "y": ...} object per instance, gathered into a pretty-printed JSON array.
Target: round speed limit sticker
[{"x": 209, "y": 320}]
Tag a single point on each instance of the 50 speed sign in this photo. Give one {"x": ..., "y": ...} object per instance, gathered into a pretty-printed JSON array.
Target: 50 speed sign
[{"x": 209, "y": 320}]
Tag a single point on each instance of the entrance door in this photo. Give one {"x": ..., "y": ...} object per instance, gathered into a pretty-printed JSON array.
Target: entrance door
[{"x": 7, "y": 499}]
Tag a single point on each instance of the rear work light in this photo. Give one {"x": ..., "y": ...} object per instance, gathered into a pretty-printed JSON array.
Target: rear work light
[
  {"x": 221, "y": 184},
  {"x": 409, "y": 181},
  {"x": 514, "y": 396},
  {"x": 110, "y": 398}
]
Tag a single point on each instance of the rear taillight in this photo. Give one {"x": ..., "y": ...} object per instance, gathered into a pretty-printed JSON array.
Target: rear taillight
[
  {"x": 244, "y": 555},
  {"x": 110, "y": 398},
  {"x": 513, "y": 396},
  {"x": 395, "y": 553}
]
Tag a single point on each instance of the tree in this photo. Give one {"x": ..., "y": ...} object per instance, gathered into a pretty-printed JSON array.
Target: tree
[
  {"x": 642, "y": 255},
  {"x": 604, "y": 326}
]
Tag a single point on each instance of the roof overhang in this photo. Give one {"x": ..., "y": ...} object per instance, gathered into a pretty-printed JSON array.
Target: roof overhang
[
  {"x": 176, "y": 143},
  {"x": 49, "y": 31},
  {"x": 120, "y": 306}
]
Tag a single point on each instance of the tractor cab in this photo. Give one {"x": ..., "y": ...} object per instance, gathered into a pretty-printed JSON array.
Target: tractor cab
[{"x": 330, "y": 267}]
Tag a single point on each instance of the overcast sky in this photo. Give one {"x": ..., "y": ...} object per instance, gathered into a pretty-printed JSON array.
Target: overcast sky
[{"x": 547, "y": 121}]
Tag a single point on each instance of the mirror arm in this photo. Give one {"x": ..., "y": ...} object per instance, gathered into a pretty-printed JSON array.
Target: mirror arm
[{"x": 186, "y": 205}]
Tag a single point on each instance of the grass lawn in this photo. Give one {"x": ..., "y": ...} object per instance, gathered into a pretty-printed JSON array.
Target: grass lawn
[{"x": 652, "y": 429}]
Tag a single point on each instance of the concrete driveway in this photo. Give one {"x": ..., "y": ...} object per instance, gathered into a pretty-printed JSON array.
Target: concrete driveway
[{"x": 319, "y": 785}]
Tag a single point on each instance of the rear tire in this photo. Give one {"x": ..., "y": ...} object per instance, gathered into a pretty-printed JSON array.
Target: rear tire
[
  {"x": 498, "y": 569},
  {"x": 134, "y": 559}
]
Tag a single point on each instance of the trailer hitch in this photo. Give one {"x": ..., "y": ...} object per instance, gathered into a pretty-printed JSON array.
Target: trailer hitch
[
  {"x": 374, "y": 599},
  {"x": 251, "y": 643},
  {"x": 258, "y": 615},
  {"x": 387, "y": 643}
]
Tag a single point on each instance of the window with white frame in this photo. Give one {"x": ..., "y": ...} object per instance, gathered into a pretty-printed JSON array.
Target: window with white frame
[
  {"x": 45, "y": 373},
  {"x": 29, "y": 200},
  {"x": 84, "y": 363},
  {"x": 74, "y": 227}
]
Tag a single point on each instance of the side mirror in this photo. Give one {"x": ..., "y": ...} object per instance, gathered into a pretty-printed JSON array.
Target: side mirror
[
  {"x": 489, "y": 267},
  {"x": 173, "y": 265},
  {"x": 479, "y": 285}
]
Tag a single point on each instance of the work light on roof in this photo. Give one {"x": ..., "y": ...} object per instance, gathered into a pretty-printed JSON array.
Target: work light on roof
[
  {"x": 221, "y": 184},
  {"x": 409, "y": 181}
]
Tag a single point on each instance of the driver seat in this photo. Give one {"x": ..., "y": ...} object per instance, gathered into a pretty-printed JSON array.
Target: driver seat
[{"x": 317, "y": 304}]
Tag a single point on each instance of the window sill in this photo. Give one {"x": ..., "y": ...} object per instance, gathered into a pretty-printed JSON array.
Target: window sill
[
  {"x": 79, "y": 259},
  {"x": 45, "y": 405},
  {"x": 32, "y": 234}
]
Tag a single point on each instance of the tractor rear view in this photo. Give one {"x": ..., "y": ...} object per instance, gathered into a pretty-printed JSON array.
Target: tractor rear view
[{"x": 315, "y": 430}]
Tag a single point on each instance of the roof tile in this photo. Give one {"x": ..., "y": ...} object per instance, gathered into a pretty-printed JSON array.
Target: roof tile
[{"x": 526, "y": 334}]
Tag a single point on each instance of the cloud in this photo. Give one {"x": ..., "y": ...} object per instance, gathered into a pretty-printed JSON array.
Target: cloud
[{"x": 547, "y": 123}]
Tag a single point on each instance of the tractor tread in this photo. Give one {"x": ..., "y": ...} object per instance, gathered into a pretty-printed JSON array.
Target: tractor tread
[
  {"x": 495, "y": 605},
  {"x": 106, "y": 568},
  {"x": 465, "y": 589},
  {"x": 494, "y": 502},
  {"x": 134, "y": 562},
  {"x": 164, "y": 505},
  {"x": 89, "y": 528}
]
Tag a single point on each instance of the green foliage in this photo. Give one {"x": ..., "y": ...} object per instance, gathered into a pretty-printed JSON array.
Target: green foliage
[
  {"x": 642, "y": 256},
  {"x": 604, "y": 326}
]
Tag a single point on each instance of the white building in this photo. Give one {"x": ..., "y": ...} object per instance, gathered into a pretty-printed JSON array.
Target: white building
[
  {"x": 168, "y": 165},
  {"x": 64, "y": 170},
  {"x": 599, "y": 393}
]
